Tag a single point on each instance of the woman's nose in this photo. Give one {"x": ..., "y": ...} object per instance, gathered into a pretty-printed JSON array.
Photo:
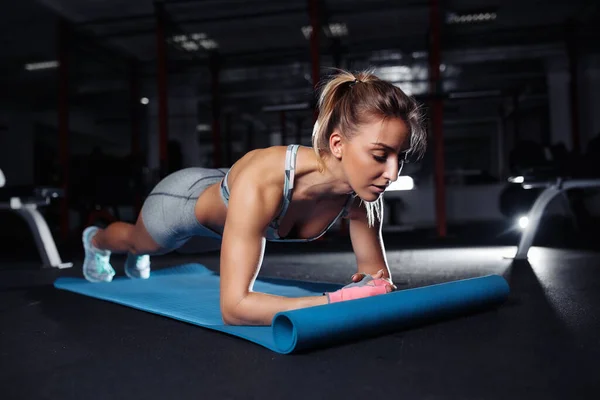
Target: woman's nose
[{"x": 391, "y": 171}]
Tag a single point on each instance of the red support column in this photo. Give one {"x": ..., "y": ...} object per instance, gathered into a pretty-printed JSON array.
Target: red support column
[
  {"x": 313, "y": 9},
  {"x": 134, "y": 116},
  {"x": 437, "y": 110},
  {"x": 63, "y": 123},
  {"x": 216, "y": 109},
  {"x": 161, "y": 80}
]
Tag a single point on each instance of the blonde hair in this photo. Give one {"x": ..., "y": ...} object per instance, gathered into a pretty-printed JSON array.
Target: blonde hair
[{"x": 348, "y": 99}]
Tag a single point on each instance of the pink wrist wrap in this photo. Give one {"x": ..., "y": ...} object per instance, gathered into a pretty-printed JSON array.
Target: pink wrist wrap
[{"x": 359, "y": 290}]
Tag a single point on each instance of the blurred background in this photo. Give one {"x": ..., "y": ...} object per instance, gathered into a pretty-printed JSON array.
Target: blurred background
[{"x": 103, "y": 98}]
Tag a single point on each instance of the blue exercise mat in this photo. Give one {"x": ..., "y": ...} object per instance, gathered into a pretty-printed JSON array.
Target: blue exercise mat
[{"x": 190, "y": 293}]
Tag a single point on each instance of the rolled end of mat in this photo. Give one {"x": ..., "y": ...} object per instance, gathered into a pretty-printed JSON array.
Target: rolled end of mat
[
  {"x": 339, "y": 322},
  {"x": 284, "y": 334}
]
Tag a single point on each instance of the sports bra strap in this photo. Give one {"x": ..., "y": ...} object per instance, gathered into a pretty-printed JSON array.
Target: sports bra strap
[{"x": 288, "y": 184}]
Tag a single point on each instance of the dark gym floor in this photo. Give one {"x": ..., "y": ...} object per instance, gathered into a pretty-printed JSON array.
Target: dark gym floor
[{"x": 543, "y": 343}]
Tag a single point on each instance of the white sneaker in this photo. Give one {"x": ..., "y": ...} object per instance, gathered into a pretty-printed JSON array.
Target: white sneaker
[
  {"x": 137, "y": 267},
  {"x": 96, "y": 265}
]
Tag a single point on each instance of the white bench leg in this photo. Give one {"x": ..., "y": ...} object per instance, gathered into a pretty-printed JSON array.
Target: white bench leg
[
  {"x": 43, "y": 237},
  {"x": 535, "y": 215}
]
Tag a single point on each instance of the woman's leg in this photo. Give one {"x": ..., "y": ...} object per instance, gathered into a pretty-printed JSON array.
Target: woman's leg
[
  {"x": 167, "y": 217},
  {"x": 122, "y": 237},
  {"x": 118, "y": 237}
]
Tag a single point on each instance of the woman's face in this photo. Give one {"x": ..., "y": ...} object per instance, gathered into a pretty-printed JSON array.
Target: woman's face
[{"x": 371, "y": 160}]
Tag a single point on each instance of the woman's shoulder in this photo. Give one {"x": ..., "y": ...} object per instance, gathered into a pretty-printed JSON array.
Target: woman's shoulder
[{"x": 265, "y": 166}]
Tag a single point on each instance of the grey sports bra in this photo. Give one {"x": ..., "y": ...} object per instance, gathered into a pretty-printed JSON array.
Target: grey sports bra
[{"x": 272, "y": 233}]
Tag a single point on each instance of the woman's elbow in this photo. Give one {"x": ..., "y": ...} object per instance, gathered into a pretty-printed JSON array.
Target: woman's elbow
[
  {"x": 230, "y": 318},
  {"x": 243, "y": 312},
  {"x": 232, "y": 313}
]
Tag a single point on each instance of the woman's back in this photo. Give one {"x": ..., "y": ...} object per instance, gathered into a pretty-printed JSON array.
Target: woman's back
[{"x": 281, "y": 171}]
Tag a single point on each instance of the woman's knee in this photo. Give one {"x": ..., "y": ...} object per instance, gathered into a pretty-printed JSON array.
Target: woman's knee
[{"x": 142, "y": 242}]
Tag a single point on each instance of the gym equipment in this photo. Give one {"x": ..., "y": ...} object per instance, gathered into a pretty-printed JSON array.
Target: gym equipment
[
  {"x": 24, "y": 200},
  {"x": 550, "y": 192},
  {"x": 190, "y": 293}
]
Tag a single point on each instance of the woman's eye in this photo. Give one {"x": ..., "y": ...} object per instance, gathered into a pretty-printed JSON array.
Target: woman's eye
[{"x": 380, "y": 158}]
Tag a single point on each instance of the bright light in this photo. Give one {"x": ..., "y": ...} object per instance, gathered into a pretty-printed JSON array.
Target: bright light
[
  {"x": 403, "y": 183},
  {"x": 195, "y": 42},
  {"x": 332, "y": 30},
  {"x": 419, "y": 54},
  {"x": 523, "y": 222},
  {"x": 287, "y": 107},
  {"x": 516, "y": 179},
  {"x": 144, "y": 100},
  {"x": 199, "y": 36},
  {"x": 208, "y": 44},
  {"x": 190, "y": 46},
  {"x": 41, "y": 65},
  {"x": 453, "y": 18},
  {"x": 338, "y": 30},
  {"x": 306, "y": 31}
]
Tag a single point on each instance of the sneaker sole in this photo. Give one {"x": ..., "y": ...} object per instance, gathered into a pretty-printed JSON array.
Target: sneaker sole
[
  {"x": 136, "y": 277},
  {"x": 95, "y": 280}
]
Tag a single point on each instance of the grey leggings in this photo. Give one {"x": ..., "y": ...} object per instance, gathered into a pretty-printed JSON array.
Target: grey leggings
[{"x": 168, "y": 211}]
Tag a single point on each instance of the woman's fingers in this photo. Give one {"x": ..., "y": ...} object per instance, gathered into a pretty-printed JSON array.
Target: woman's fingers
[
  {"x": 358, "y": 276},
  {"x": 391, "y": 288}
]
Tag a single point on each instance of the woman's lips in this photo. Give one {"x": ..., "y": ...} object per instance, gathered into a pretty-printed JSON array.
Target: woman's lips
[{"x": 379, "y": 189}]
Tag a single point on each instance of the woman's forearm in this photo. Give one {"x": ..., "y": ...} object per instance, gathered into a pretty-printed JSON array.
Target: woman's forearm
[{"x": 260, "y": 308}]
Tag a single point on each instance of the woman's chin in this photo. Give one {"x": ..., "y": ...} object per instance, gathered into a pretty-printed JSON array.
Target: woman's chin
[{"x": 369, "y": 195}]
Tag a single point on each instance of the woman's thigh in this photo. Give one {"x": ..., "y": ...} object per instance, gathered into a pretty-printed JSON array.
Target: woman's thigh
[
  {"x": 143, "y": 242},
  {"x": 168, "y": 218}
]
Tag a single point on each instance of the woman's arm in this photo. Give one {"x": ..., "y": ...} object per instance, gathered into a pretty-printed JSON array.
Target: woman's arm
[
  {"x": 252, "y": 205},
  {"x": 367, "y": 242}
]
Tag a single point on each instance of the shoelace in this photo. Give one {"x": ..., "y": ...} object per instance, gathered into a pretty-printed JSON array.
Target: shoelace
[{"x": 102, "y": 266}]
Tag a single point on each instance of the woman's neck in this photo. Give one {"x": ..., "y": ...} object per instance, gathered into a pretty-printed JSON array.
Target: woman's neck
[{"x": 322, "y": 181}]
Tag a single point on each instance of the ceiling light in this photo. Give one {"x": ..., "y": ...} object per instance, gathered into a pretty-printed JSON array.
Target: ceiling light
[
  {"x": 41, "y": 65},
  {"x": 199, "y": 36},
  {"x": 195, "y": 42},
  {"x": 306, "y": 31},
  {"x": 336, "y": 29},
  {"x": 286, "y": 107},
  {"x": 455, "y": 18},
  {"x": 190, "y": 46},
  {"x": 208, "y": 44}
]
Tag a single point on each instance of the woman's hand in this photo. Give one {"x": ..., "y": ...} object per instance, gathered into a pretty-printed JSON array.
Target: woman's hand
[
  {"x": 379, "y": 277},
  {"x": 363, "y": 285}
]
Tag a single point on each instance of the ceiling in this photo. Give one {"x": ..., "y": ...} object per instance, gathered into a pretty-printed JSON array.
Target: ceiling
[{"x": 265, "y": 57}]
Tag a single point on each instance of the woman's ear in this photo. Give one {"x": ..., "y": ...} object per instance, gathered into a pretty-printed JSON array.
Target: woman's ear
[{"x": 336, "y": 144}]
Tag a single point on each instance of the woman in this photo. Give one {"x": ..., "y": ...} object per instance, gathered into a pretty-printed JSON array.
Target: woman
[{"x": 365, "y": 130}]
